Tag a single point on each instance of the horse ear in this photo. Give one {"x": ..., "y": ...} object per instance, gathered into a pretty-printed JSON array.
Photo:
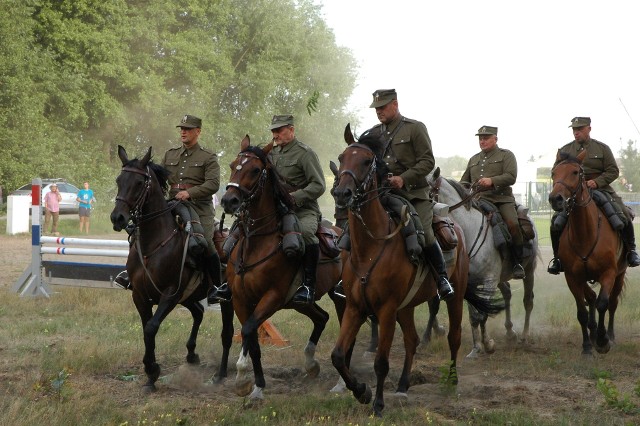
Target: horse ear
[
  {"x": 146, "y": 158},
  {"x": 581, "y": 156},
  {"x": 348, "y": 135},
  {"x": 267, "y": 149},
  {"x": 334, "y": 168},
  {"x": 245, "y": 143},
  {"x": 436, "y": 173},
  {"x": 122, "y": 154},
  {"x": 558, "y": 156}
]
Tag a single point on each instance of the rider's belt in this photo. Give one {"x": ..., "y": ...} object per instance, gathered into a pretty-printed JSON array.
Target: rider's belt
[{"x": 181, "y": 186}]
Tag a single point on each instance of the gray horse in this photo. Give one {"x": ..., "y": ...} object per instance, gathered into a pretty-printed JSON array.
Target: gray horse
[{"x": 488, "y": 266}]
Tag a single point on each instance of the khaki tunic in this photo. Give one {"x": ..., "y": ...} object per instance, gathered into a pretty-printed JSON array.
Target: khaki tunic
[
  {"x": 599, "y": 165},
  {"x": 300, "y": 168},
  {"x": 199, "y": 167},
  {"x": 410, "y": 156},
  {"x": 501, "y": 166}
]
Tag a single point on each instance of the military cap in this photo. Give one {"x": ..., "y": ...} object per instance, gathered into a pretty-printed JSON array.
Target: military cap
[
  {"x": 190, "y": 122},
  {"x": 487, "y": 130},
  {"x": 382, "y": 97},
  {"x": 580, "y": 121},
  {"x": 280, "y": 121}
]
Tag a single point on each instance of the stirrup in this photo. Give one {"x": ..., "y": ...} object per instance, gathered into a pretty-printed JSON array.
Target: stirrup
[
  {"x": 122, "y": 280},
  {"x": 445, "y": 291},
  {"x": 518, "y": 272},
  {"x": 633, "y": 259},
  {"x": 555, "y": 267},
  {"x": 219, "y": 294},
  {"x": 304, "y": 295}
]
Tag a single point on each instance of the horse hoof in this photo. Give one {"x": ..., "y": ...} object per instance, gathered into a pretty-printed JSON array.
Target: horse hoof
[
  {"x": 398, "y": 396},
  {"x": 193, "y": 359},
  {"x": 490, "y": 347},
  {"x": 313, "y": 369},
  {"x": 512, "y": 337},
  {"x": 365, "y": 398},
  {"x": 474, "y": 354},
  {"x": 340, "y": 387},
  {"x": 604, "y": 348},
  {"x": 149, "y": 389},
  {"x": 256, "y": 394},
  {"x": 243, "y": 387},
  {"x": 439, "y": 331}
]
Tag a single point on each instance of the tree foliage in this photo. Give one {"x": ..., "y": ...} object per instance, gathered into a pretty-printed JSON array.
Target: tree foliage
[
  {"x": 629, "y": 171},
  {"x": 79, "y": 77}
]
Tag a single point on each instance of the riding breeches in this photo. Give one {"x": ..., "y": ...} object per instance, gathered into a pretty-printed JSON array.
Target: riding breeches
[
  {"x": 424, "y": 208},
  {"x": 510, "y": 216},
  {"x": 308, "y": 220}
]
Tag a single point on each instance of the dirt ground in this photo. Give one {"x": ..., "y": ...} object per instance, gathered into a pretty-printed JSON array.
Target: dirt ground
[{"x": 546, "y": 376}]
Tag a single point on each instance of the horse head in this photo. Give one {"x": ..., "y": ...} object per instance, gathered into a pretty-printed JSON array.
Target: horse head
[
  {"x": 568, "y": 181},
  {"x": 360, "y": 164},
  {"x": 133, "y": 186}
]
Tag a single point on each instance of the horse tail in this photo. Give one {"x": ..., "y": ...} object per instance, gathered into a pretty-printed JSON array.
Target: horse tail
[{"x": 486, "y": 301}]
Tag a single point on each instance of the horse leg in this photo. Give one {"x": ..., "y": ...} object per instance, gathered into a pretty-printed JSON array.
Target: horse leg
[
  {"x": 505, "y": 289},
  {"x": 613, "y": 306},
  {"x": 226, "y": 336},
  {"x": 197, "y": 313},
  {"x": 527, "y": 300},
  {"x": 410, "y": 337},
  {"x": 432, "y": 324},
  {"x": 373, "y": 343},
  {"x": 602, "y": 305},
  {"x": 387, "y": 325},
  {"x": 474, "y": 320},
  {"x": 582, "y": 313},
  {"x": 250, "y": 348},
  {"x": 454, "y": 308},
  {"x": 352, "y": 320},
  {"x": 150, "y": 327},
  {"x": 320, "y": 318}
]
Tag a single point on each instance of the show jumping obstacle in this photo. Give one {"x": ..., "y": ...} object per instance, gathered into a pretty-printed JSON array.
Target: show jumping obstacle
[{"x": 38, "y": 276}]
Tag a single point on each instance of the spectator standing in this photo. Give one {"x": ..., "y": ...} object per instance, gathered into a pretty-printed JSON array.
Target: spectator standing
[
  {"x": 52, "y": 209},
  {"x": 86, "y": 199}
]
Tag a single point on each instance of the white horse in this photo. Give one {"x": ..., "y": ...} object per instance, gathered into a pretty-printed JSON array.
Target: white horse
[{"x": 488, "y": 266}]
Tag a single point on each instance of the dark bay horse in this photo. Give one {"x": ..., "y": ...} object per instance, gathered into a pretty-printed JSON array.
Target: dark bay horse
[
  {"x": 261, "y": 276},
  {"x": 590, "y": 251},
  {"x": 488, "y": 266},
  {"x": 157, "y": 271},
  {"x": 380, "y": 279}
]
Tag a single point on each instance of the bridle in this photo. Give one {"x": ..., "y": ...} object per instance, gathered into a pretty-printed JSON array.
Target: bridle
[
  {"x": 248, "y": 195},
  {"x": 572, "y": 201},
  {"x": 362, "y": 188}
]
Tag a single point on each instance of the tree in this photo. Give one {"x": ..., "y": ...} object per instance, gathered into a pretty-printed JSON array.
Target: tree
[{"x": 628, "y": 163}]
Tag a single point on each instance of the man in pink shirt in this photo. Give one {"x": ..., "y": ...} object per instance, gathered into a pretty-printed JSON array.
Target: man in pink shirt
[{"x": 52, "y": 208}]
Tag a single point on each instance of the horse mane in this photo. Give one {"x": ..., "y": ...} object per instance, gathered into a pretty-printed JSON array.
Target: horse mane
[
  {"x": 374, "y": 140},
  {"x": 279, "y": 189},
  {"x": 459, "y": 188},
  {"x": 565, "y": 156},
  {"x": 161, "y": 174}
]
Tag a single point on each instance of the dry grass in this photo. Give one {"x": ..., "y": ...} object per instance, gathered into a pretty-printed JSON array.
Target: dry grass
[{"x": 76, "y": 359}]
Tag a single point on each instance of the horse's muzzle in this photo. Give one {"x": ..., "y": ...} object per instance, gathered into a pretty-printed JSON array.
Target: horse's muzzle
[
  {"x": 230, "y": 202},
  {"x": 119, "y": 220},
  {"x": 557, "y": 202},
  {"x": 343, "y": 197}
]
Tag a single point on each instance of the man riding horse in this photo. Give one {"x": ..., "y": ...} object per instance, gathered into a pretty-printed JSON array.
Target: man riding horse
[
  {"x": 600, "y": 171},
  {"x": 409, "y": 158},
  {"x": 298, "y": 165}
]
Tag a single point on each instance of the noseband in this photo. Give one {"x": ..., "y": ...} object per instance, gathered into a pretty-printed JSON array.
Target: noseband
[{"x": 361, "y": 187}]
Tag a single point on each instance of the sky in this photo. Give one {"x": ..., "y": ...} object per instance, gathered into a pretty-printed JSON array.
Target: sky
[{"x": 526, "y": 67}]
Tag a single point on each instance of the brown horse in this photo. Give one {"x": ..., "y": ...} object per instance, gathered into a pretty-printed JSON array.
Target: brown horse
[
  {"x": 590, "y": 250},
  {"x": 156, "y": 264},
  {"x": 262, "y": 277},
  {"x": 380, "y": 279}
]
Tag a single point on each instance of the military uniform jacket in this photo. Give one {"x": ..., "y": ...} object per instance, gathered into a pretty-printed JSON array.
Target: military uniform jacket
[
  {"x": 599, "y": 164},
  {"x": 300, "y": 168},
  {"x": 409, "y": 155},
  {"x": 498, "y": 164},
  {"x": 195, "y": 166}
]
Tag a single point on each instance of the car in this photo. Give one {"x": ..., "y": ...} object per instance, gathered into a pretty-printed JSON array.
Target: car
[{"x": 68, "y": 192}]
